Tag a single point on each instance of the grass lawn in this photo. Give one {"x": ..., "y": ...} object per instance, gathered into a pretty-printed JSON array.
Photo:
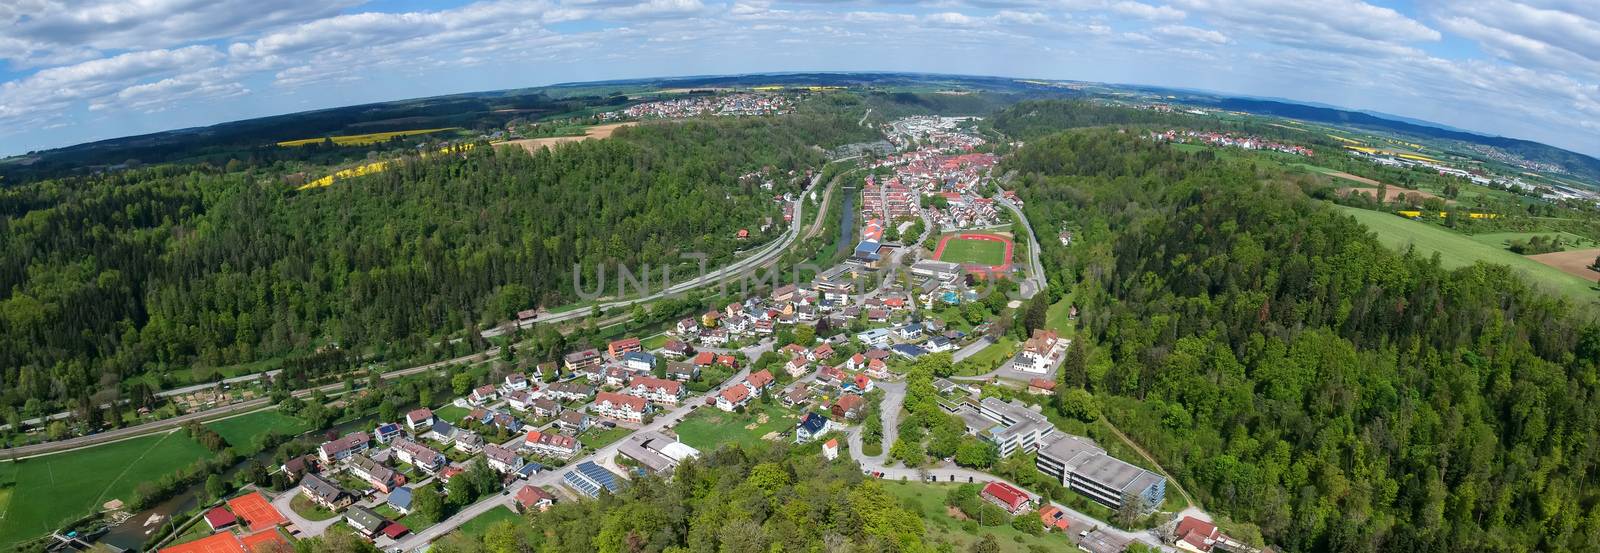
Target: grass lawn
[
  {"x": 244, "y": 431},
  {"x": 63, "y": 487},
  {"x": 597, "y": 437},
  {"x": 1459, "y": 250},
  {"x": 481, "y": 523},
  {"x": 311, "y": 511},
  {"x": 451, "y": 414},
  {"x": 988, "y": 358},
  {"x": 928, "y": 500},
  {"x": 1056, "y": 317},
  {"x": 1499, "y": 239},
  {"x": 979, "y": 252},
  {"x": 708, "y": 427}
]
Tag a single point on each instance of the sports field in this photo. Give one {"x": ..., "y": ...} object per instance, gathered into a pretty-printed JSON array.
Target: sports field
[
  {"x": 990, "y": 250},
  {"x": 63, "y": 487},
  {"x": 1459, "y": 250}
]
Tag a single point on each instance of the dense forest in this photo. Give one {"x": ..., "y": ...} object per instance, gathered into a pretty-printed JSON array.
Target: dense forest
[
  {"x": 1297, "y": 375},
  {"x": 152, "y": 271}
]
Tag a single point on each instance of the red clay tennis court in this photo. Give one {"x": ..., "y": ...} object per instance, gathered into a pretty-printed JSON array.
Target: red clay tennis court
[
  {"x": 224, "y": 542},
  {"x": 256, "y": 511}
]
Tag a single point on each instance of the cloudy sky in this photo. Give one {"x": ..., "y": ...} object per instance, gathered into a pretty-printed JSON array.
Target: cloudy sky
[{"x": 78, "y": 70}]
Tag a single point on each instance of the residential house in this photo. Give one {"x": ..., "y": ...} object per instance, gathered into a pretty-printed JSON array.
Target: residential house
[
  {"x": 582, "y": 359},
  {"x": 418, "y": 455},
  {"x": 848, "y": 407},
  {"x": 551, "y": 444},
  {"x": 656, "y": 390},
  {"x": 322, "y": 492},
  {"x": 545, "y": 407},
  {"x": 676, "y": 349},
  {"x": 520, "y": 400},
  {"x": 796, "y": 367},
  {"x": 682, "y": 372},
  {"x": 502, "y": 460},
  {"x": 400, "y": 500},
  {"x": 386, "y": 431},
  {"x": 574, "y": 422},
  {"x": 419, "y": 419},
  {"x": 759, "y": 380},
  {"x": 1007, "y": 497},
  {"x": 811, "y": 427},
  {"x": 734, "y": 397},
  {"x": 626, "y": 345},
  {"x": 531, "y": 498},
  {"x": 874, "y": 338},
  {"x": 468, "y": 442},
  {"x": 619, "y": 406},
  {"x": 484, "y": 394},
  {"x": 364, "y": 520},
  {"x": 569, "y": 391},
  {"x": 381, "y": 478},
  {"x": 343, "y": 448},
  {"x": 639, "y": 361}
]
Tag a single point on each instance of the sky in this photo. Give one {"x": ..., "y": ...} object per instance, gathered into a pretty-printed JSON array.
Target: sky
[{"x": 74, "y": 71}]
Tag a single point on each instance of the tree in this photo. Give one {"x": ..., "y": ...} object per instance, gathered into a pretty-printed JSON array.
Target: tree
[
  {"x": 427, "y": 503},
  {"x": 460, "y": 383},
  {"x": 987, "y": 544}
]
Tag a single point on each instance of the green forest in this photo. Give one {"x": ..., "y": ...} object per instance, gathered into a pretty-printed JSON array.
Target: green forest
[
  {"x": 149, "y": 272},
  {"x": 1300, "y": 377}
]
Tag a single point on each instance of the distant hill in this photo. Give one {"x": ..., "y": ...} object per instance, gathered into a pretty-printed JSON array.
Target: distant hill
[{"x": 1580, "y": 165}]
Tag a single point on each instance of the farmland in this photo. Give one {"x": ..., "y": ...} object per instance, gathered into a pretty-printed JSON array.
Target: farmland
[
  {"x": 63, "y": 487},
  {"x": 1457, "y": 250},
  {"x": 362, "y": 139}
]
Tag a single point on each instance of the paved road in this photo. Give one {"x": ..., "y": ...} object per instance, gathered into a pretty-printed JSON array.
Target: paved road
[{"x": 225, "y": 411}]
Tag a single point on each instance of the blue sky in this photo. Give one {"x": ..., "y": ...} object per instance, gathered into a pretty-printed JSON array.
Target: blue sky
[{"x": 82, "y": 70}]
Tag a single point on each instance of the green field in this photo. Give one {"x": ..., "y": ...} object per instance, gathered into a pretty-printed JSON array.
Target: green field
[
  {"x": 1459, "y": 250},
  {"x": 61, "y": 488},
  {"x": 709, "y": 428},
  {"x": 977, "y": 252},
  {"x": 481, "y": 523},
  {"x": 1499, "y": 239},
  {"x": 928, "y": 500},
  {"x": 244, "y": 431}
]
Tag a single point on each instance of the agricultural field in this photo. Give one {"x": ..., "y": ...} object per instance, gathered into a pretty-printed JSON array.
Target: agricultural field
[
  {"x": 244, "y": 431},
  {"x": 962, "y": 248},
  {"x": 708, "y": 427},
  {"x": 363, "y": 139},
  {"x": 1458, "y": 250},
  {"x": 63, "y": 487}
]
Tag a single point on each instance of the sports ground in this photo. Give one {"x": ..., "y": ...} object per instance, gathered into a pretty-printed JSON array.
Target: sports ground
[{"x": 976, "y": 251}]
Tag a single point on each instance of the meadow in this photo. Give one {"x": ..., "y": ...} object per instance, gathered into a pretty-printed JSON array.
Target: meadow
[
  {"x": 1459, "y": 250},
  {"x": 244, "y": 432},
  {"x": 63, "y": 487},
  {"x": 709, "y": 428},
  {"x": 363, "y": 139}
]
